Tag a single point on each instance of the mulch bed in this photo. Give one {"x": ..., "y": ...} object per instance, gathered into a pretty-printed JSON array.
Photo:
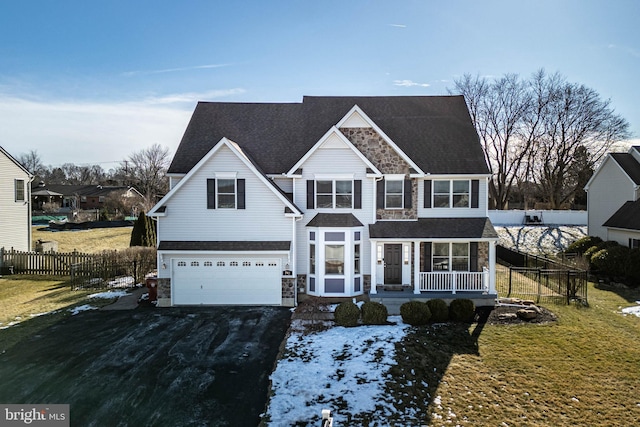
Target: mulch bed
[{"x": 506, "y": 315}]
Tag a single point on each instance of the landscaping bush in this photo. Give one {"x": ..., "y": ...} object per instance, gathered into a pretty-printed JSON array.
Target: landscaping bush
[
  {"x": 347, "y": 314},
  {"x": 612, "y": 260},
  {"x": 415, "y": 313},
  {"x": 374, "y": 313},
  {"x": 581, "y": 245},
  {"x": 462, "y": 310},
  {"x": 439, "y": 310}
]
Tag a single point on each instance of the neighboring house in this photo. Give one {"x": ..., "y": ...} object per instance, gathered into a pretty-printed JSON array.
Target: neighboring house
[
  {"x": 73, "y": 197},
  {"x": 613, "y": 199},
  {"x": 334, "y": 197},
  {"x": 15, "y": 206}
]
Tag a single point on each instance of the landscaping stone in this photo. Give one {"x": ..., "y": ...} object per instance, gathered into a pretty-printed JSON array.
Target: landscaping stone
[{"x": 527, "y": 313}]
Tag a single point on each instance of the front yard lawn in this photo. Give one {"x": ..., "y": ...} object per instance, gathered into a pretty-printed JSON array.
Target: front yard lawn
[
  {"x": 42, "y": 300},
  {"x": 582, "y": 370}
]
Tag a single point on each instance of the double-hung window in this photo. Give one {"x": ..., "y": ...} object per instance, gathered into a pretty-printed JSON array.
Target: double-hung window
[
  {"x": 451, "y": 193},
  {"x": 226, "y": 193},
  {"x": 334, "y": 194},
  {"x": 450, "y": 257},
  {"x": 19, "y": 190},
  {"x": 394, "y": 194}
]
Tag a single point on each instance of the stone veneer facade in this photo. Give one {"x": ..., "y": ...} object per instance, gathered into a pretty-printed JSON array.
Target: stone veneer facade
[{"x": 383, "y": 157}]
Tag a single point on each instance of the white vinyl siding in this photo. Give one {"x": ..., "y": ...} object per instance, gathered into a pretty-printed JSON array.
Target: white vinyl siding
[
  {"x": 187, "y": 216},
  {"x": 326, "y": 161},
  {"x": 15, "y": 217},
  {"x": 608, "y": 191}
]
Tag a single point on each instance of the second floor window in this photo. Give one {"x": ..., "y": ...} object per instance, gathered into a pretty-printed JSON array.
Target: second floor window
[
  {"x": 448, "y": 194},
  {"x": 227, "y": 193},
  {"x": 19, "y": 190},
  {"x": 334, "y": 194},
  {"x": 394, "y": 194}
]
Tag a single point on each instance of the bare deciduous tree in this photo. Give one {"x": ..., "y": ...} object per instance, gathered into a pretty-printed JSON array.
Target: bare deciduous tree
[
  {"x": 498, "y": 109},
  {"x": 147, "y": 169},
  {"x": 542, "y": 130}
]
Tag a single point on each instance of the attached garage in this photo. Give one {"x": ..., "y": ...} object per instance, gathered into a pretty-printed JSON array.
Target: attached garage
[
  {"x": 224, "y": 273},
  {"x": 227, "y": 280}
]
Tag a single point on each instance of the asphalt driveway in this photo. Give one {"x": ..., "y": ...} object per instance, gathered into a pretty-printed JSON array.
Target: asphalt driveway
[{"x": 165, "y": 367}]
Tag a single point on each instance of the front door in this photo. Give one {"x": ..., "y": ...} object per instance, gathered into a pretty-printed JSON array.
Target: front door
[{"x": 393, "y": 264}]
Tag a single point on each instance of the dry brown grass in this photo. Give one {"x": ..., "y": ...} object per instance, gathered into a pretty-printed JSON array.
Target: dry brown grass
[{"x": 87, "y": 241}]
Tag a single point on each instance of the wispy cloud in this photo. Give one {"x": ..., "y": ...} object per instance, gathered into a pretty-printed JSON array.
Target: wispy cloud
[
  {"x": 398, "y": 25},
  {"x": 626, "y": 49},
  {"x": 190, "y": 97},
  {"x": 173, "y": 70},
  {"x": 93, "y": 132},
  {"x": 409, "y": 83}
]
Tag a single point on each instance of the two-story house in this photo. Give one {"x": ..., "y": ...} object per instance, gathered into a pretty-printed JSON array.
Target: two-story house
[
  {"x": 15, "y": 205},
  {"x": 333, "y": 197},
  {"x": 613, "y": 199}
]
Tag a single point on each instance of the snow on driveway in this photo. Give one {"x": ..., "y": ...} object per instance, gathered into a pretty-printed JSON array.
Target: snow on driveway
[{"x": 342, "y": 369}]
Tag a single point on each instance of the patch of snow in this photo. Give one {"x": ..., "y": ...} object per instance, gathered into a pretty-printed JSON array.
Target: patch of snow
[
  {"x": 539, "y": 239},
  {"x": 122, "y": 282},
  {"x": 109, "y": 294},
  {"x": 81, "y": 308},
  {"x": 345, "y": 371},
  {"x": 635, "y": 310}
]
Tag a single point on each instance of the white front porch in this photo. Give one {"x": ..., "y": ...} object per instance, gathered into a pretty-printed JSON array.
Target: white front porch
[{"x": 430, "y": 283}]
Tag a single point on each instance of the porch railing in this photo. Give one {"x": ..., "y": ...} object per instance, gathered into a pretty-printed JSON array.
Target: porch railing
[{"x": 454, "y": 281}]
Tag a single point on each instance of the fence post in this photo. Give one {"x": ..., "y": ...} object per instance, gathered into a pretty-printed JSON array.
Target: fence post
[
  {"x": 510, "y": 278},
  {"x": 539, "y": 285},
  {"x": 568, "y": 287}
]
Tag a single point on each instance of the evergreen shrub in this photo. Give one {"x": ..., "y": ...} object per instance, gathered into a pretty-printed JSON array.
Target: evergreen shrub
[
  {"x": 374, "y": 313},
  {"x": 462, "y": 310},
  {"x": 439, "y": 310},
  {"x": 347, "y": 314},
  {"x": 415, "y": 313}
]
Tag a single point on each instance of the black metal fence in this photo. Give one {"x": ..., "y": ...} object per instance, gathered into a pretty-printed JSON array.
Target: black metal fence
[{"x": 532, "y": 277}]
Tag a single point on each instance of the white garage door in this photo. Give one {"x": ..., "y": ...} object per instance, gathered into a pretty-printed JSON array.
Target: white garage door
[{"x": 242, "y": 281}]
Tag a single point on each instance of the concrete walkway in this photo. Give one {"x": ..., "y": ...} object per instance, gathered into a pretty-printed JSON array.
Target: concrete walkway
[{"x": 127, "y": 302}]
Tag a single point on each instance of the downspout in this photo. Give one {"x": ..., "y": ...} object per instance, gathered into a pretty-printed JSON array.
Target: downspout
[{"x": 294, "y": 259}]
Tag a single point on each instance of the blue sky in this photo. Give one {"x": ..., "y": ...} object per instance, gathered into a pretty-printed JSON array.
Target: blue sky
[{"x": 92, "y": 82}]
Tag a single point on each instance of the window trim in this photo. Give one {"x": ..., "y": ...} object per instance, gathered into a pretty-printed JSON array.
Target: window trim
[
  {"x": 450, "y": 257},
  {"x": 219, "y": 193},
  {"x": 451, "y": 194},
  {"x": 334, "y": 192},
  {"x": 19, "y": 192},
  {"x": 387, "y": 194}
]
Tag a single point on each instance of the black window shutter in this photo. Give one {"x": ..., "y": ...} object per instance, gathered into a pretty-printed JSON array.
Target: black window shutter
[
  {"x": 473, "y": 256},
  {"x": 407, "y": 194},
  {"x": 380, "y": 194},
  {"x": 241, "y": 193},
  {"x": 475, "y": 189},
  {"x": 211, "y": 193},
  {"x": 357, "y": 194},
  {"x": 311, "y": 194},
  {"x": 426, "y": 264},
  {"x": 427, "y": 194}
]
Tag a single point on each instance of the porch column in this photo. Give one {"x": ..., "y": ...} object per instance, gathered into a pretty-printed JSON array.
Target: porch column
[
  {"x": 492, "y": 267},
  {"x": 373, "y": 255},
  {"x": 416, "y": 267}
]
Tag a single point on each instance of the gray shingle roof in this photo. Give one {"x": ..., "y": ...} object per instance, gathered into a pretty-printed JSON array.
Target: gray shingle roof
[
  {"x": 436, "y": 132},
  {"x": 627, "y": 217},
  {"x": 334, "y": 220},
  {"x": 629, "y": 164},
  {"x": 434, "y": 228},
  {"x": 168, "y": 245}
]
